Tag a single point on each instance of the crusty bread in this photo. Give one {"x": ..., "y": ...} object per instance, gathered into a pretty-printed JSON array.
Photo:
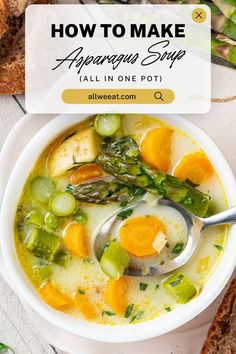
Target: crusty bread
[
  {"x": 12, "y": 43},
  {"x": 3, "y": 18},
  {"x": 17, "y": 7},
  {"x": 12, "y": 58},
  {"x": 221, "y": 338}
]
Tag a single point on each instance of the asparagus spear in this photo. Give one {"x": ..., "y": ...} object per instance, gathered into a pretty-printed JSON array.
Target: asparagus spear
[
  {"x": 223, "y": 48},
  {"x": 102, "y": 192},
  {"x": 141, "y": 175},
  {"x": 219, "y": 22},
  {"x": 227, "y": 7},
  {"x": 120, "y": 158}
]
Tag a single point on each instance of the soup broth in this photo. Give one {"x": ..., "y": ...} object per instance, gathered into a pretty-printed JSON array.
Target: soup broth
[{"x": 64, "y": 269}]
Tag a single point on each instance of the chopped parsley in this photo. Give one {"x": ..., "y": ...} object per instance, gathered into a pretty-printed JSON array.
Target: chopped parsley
[
  {"x": 178, "y": 247},
  {"x": 157, "y": 286},
  {"x": 124, "y": 214},
  {"x": 129, "y": 310},
  {"x": 137, "y": 317},
  {"x": 82, "y": 292},
  {"x": 69, "y": 188},
  {"x": 162, "y": 262},
  {"x": 219, "y": 247},
  {"x": 168, "y": 308},
  {"x": 108, "y": 313},
  {"x": 143, "y": 286},
  {"x": 177, "y": 281}
]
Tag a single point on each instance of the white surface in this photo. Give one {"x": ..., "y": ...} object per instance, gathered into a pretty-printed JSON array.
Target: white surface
[{"x": 220, "y": 125}]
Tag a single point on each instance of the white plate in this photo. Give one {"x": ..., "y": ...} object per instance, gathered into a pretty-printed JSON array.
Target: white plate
[{"x": 186, "y": 340}]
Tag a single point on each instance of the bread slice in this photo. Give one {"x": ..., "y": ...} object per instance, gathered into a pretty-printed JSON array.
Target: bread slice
[
  {"x": 3, "y": 18},
  {"x": 17, "y": 7},
  {"x": 12, "y": 72},
  {"x": 221, "y": 338},
  {"x": 12, "y": 46}
]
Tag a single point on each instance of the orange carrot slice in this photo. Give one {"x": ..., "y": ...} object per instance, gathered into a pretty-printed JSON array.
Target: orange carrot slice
[
  {"x": 196, "y": 167},
  {"x": 85, "y": 173},
  {"x": 138, "y": 235},
  {"x": 53, "y": 297},
  {"x": 85, "y": 306},
  {"x": 75, "y": 240},
  {"x": 156, "y": 148},
  {"x": 116, "y": 294}
]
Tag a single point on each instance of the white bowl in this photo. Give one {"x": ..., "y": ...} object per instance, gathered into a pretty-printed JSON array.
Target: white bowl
[{"x": 125, "y": 333}]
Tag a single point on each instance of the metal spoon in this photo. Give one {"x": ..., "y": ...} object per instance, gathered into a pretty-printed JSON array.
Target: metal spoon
[{"x": 195, "y": 229}]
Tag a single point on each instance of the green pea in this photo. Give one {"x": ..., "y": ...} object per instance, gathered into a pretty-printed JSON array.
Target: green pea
[{"x": 52, "y": 221}]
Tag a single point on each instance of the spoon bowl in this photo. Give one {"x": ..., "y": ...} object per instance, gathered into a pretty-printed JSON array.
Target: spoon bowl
[{"x": 195, "y": 229}]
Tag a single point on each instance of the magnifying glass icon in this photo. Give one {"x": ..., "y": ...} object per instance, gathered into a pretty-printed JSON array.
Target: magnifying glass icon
[{"x": 158, "y": 96}]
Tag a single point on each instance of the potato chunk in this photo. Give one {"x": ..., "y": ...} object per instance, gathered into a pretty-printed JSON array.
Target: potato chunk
[{"x": 79, "y": 148}]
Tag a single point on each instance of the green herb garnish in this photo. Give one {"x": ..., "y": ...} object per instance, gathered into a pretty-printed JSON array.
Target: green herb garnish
[
  {"x": 178, "y": 247},
  {"x": 157, "y": 286},
  {"x": 143, "y": 286},
  {"x": 177, "y": 281},
  {"x": 69, "y": 188},
  {"x": 136, "y": 317},
  {"x": 108, "y": 313},
  {"x": 168, "y": 309},
  {"x": 124, "y": 214},
  {"x": 219, "y": 247},
  {"x": 129, "y": 310},
  {"x": 82, "y": 292}
]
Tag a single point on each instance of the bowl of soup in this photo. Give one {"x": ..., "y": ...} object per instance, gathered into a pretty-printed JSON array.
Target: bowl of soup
[{"x": 74, "y": 174}]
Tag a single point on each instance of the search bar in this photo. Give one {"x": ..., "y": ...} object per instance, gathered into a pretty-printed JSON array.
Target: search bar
[{"x": 118, "y": 96}]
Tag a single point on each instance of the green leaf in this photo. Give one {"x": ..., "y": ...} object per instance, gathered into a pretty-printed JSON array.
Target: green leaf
[
  {"x": 129, "y": 310},
  {"x": 168, "y": 309},
  {"x": 219, "y": 247},
  {"x": 143, "y": 286},
  {"x": 124, "y": 214},
  {"x": 108, "y": 313},
  {"x": 178, "y": 247},
  {"x": 82, "y": 292},
  {"x": 69, "y": 188},
  {"x": 5, "y": 348},
  {"x": 137, "y": 317}
]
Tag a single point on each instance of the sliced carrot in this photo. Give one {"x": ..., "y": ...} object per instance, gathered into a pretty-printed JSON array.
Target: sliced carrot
[
  {"x": 138, "y": 234},
  {"x": 196, "y": 167},
  {"x": 75, "y": 240},
  {"x": 116, "y": 294},
  {"x": 156, "y": 148},
  {"x": 85, "y": 306},
  {"x": 53, "y": 297},
  {"x": 85, "y": 173}
]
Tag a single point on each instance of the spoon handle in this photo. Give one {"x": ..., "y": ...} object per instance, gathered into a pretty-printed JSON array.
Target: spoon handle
[{"x": 225, "y": 217}]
